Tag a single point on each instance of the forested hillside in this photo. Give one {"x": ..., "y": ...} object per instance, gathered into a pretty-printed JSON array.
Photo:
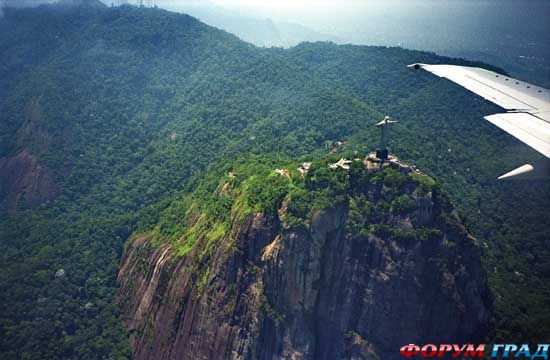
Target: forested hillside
[{"x": 107, "y": 113}]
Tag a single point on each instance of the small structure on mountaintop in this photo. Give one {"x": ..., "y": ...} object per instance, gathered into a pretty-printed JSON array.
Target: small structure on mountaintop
[
  {"x": 342, "y": 163},
  {"x": 283, "y": 172},
  {"x": 373, "y": 163},
  {"x": 304, "y": 168}
]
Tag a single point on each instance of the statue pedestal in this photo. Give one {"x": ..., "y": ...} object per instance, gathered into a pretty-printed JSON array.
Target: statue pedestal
[{"x": 382, "y": 154}]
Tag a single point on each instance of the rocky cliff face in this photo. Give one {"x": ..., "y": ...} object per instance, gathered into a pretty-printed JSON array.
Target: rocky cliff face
[
  {"x": 24, "y": 181},
  {"x": 346, "y": 264}
]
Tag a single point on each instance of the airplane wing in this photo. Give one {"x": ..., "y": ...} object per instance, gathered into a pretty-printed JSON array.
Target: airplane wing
[{"x": 528, "y": 108}]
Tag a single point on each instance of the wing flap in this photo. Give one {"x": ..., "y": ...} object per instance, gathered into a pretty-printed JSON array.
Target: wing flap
[{"x": 528, "y": 128}]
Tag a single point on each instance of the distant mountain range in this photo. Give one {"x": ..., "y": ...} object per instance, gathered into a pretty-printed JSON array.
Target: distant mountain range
[
  {"x": 490, "y": 31},
  {"x": 260, "y": 32}
]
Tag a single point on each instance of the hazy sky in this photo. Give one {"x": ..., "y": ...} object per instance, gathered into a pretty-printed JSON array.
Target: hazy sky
[
  {"x": 340, "y": 16},
  {"x": 510, "y": 33},
  {"x": 513, "y": 34},
  {"x": 390, "y": 22}
]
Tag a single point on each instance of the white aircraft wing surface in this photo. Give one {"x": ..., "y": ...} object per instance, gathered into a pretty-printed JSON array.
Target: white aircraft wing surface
[
  {"x": 528, "y": 106},
  {"x": 528, "y": 128}
]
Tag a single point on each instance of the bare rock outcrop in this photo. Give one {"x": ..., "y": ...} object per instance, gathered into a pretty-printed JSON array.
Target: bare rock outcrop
[
  {"x": 349, "y": 283},
  {"x": 24, "y": 181}
]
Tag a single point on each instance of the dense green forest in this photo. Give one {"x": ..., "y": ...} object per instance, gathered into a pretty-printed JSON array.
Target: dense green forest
[{"x": 128, "y": 106}]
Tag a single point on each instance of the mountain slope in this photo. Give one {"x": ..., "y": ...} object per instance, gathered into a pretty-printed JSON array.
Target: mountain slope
[
  {"x": 121, "y": 107},
  {"x": 330, "y": 265}
]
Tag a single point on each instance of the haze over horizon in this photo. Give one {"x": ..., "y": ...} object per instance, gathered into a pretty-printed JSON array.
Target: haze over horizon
[{"x": 511, "y": 34}]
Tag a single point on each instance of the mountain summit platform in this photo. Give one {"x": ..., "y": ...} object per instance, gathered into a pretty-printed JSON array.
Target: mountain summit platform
[{"x": 373, "y": 163}]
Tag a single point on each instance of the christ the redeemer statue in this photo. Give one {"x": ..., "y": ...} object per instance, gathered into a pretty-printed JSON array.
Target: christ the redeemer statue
[{"x": 382, "y": 152}]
